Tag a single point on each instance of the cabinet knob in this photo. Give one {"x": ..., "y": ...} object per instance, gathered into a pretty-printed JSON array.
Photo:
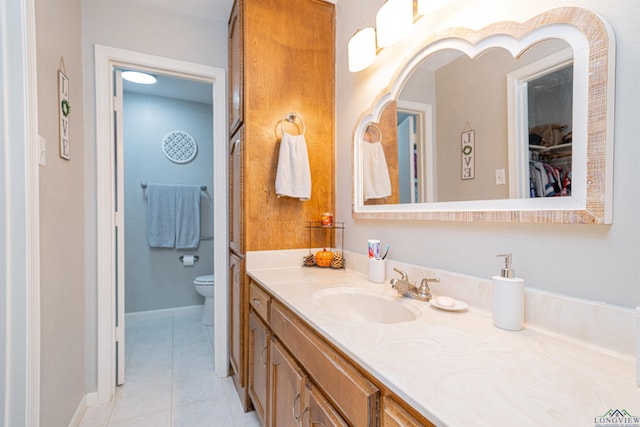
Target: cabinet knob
[{"x": 256, "y": 301}]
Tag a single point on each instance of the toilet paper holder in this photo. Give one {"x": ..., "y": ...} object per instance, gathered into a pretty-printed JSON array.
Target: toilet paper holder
[{"x": 195, "y": 258}]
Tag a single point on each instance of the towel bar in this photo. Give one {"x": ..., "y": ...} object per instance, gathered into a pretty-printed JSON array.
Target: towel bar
[{"x": 144, "y": 185}]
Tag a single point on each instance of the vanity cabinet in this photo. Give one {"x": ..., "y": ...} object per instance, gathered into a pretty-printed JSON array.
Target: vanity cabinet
[
  {"x": 310, "y": 383},
  {"x": 353, "y": 394},
  {"x": 274, "y": 72}
]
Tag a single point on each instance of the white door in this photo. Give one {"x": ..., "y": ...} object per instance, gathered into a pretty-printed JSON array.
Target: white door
[
  {"x": 405, "y": 160},
  {"x": 118, "y": 185}
]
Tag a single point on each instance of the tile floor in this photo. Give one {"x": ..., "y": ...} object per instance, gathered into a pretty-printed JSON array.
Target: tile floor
[{"x": 170, "y": 381}]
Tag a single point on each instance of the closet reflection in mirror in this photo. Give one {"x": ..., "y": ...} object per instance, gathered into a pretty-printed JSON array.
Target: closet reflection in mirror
[{"x": 520, "y": 110}]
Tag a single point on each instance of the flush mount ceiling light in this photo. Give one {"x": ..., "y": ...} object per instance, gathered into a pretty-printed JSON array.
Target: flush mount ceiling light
[
  {"x": 427, "y": 6},
  {"x": 362, "y": 49},
  {"x": 139, "y": 77},
  {"x": 393, "y": 21}
]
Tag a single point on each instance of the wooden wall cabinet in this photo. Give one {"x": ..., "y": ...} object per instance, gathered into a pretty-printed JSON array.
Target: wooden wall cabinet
[
  {"x": 236, "y": 190},
  {"x": 237, "y": 313},
  {"x": 275, "y": 68},
  {"x": 236, "y": 68}
]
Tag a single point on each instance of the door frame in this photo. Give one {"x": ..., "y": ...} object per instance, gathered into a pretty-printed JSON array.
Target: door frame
[
  {"x": 19, "y": 217},
  {"x": 426, "y": 147},
  {"x": 106, "y": 58}
]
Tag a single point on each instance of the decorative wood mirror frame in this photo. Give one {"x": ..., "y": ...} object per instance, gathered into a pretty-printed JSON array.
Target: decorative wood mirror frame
[{"x": 594, "y": 56}]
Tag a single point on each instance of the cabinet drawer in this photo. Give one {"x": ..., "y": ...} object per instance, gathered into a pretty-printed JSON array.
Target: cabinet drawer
[
  {"x": 259, "y": 301},
  {"x": 354, "y": 395}
]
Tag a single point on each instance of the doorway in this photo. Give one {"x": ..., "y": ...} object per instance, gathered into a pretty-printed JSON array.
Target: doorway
[
  {"x": 167, "y": 139},
  {"x": 106, "y": 60},
  {"x": 416, "y": 152}
]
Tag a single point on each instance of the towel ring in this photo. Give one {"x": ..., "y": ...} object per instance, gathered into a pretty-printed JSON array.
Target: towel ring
[
  {"x": 374, "y": 126},
  {"x": 291, "y": 118}
]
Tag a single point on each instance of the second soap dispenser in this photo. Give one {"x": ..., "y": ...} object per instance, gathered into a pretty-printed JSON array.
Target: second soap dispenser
[{"x": 508, "y": 298}]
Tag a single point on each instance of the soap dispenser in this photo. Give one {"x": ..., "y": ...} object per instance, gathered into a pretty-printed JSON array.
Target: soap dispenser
[{"x": 508, "y": 298}]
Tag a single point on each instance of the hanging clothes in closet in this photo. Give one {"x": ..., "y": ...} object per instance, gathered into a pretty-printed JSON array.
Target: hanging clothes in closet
[{"x": 546, "y": 180}]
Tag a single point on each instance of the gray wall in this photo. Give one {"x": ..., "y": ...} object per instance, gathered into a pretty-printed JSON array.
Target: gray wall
[
  {"x": 62, "y": 232},
  {"x": 592, "y": 262},
  {"x": 142, "y": 28},
  {"x": 154, "y": 277}
]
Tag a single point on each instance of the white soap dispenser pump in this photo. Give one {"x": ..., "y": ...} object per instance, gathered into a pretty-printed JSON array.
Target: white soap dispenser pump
[{"x": 508, "y": 298}]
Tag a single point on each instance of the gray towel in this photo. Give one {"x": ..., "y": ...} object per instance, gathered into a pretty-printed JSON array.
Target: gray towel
[
  {"x": 187, "y": 217},
  {"x": 161, "y": 215}
]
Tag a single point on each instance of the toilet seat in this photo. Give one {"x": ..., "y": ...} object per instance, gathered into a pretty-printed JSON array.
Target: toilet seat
[{"x": 206, "y": 280}]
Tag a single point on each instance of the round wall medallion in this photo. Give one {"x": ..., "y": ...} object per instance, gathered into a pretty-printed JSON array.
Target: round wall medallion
[{"x": 179, "y": 147}]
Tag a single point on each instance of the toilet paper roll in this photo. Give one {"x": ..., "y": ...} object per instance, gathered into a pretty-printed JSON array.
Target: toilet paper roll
[
  {"x": 188, "y": 260},
  {"x": 638, "y": 345}
]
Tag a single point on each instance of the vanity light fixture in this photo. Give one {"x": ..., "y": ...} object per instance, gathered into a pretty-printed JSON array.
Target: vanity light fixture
[
  {"x": 427, "y": 6},
  {"x": 362, "y": 49},
  {"x": 393, "y": 21},
  {"x": 139, "y": 77}
]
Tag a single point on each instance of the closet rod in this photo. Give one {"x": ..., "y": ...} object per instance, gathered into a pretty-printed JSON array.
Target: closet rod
[{"x": 144, "y": 185}]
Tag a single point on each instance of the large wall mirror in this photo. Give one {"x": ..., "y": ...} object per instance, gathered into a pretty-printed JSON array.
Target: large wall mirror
[{"x": 510, "y": 123}]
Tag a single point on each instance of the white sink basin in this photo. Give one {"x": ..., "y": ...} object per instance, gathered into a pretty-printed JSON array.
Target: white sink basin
[{"x": 359, "y": 305}]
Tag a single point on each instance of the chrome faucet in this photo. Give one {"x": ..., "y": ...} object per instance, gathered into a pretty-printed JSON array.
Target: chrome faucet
[{"x": 405, "y": 287}]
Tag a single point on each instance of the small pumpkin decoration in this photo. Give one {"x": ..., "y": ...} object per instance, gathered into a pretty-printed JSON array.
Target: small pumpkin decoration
[{"x": 324, "y": 258}]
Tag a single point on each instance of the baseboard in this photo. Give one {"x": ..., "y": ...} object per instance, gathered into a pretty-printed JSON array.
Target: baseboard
[
  {"x": 165, "y": 312},
  {"x": 88, "y": 399}
]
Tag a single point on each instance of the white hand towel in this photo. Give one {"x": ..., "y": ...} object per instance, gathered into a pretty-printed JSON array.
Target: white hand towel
[
  {"x": 375, "y": 179},
  {"x": 293, "y": 176},
  {"x": 638, "y": 345},
  {"x": 161, "y": 215}
]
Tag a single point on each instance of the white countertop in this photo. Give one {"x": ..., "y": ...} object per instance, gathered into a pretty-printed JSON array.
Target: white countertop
[{"x": 456, "y": 368}]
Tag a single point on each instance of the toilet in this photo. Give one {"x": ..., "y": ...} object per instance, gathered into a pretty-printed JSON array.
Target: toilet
[{"x": 205, "y": 287}]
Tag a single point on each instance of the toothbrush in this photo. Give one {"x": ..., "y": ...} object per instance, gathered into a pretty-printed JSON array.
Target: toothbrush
[{"x": 386, "y": 251}]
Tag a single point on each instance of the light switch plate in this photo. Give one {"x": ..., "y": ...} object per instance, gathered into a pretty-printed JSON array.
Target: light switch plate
[{"x": 500, "y": 178}]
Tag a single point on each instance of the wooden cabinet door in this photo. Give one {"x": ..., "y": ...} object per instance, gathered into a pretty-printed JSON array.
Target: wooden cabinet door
[
  {"x": 237, "y": 325},
  {"x": 318, "y": 411},
  {"x": 286, "y": 382},
  {"x": 236, "y": 67},
  {"x": 258, "y": 353},
  {"x": 396, "y": 415},
  {"x": 236, "y": 191}
]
